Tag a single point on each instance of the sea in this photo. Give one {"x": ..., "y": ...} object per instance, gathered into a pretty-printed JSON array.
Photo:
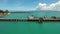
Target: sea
[{"x": 29, "y": 27}]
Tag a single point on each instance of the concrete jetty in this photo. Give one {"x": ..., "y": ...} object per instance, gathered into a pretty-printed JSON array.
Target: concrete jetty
[{"x": 27, "y": 19}]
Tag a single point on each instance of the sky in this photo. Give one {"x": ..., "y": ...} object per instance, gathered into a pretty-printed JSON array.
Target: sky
[{"x": 26, "y": 5}]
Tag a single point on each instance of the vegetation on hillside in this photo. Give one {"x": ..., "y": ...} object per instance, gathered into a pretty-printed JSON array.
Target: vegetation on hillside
[{"x": 3, "y": 12}]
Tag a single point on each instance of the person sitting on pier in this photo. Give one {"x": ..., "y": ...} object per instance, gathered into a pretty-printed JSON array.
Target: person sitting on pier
[
  {"x": 45, "y": 16},
  {"x": 31, "y": 17}
]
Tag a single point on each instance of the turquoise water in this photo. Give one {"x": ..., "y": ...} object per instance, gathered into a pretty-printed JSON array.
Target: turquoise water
[
  {"x": 13, "y": 27},
  {"x": 36, "y": 14}
]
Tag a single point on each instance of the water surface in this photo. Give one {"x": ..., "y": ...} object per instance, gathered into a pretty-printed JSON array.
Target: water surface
[{"x": 19, "y": 27}]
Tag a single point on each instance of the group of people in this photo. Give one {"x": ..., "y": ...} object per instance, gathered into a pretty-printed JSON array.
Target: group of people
[{"x": 32, "y": 17}]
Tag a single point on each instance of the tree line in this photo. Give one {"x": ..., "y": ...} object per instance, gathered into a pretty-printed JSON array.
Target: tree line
[{"x": 6, "y": 11}]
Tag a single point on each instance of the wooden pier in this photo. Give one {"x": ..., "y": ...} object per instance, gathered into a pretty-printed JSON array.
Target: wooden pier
[{"x": 27, "y": 19}]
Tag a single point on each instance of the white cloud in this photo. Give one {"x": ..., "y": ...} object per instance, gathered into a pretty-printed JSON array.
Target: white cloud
[{"x": 44, "y": 6}]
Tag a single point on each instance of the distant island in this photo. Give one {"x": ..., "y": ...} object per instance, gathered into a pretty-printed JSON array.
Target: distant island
[{"x": 6, "y": 12}]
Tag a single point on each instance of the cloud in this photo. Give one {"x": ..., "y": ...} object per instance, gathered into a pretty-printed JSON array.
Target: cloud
[{"x": 44, "y": 6}]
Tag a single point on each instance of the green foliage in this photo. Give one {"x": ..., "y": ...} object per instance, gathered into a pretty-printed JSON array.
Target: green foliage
[
  {"x": 6, "y": 11},
  {"x": 1, "y": 11}
]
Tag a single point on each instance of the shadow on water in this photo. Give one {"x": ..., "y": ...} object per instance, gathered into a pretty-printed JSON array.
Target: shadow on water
[{"x": 32, "y": 21}]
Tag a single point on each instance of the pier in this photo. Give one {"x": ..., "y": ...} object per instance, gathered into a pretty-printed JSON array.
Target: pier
[{"x": 27, "y": 19}]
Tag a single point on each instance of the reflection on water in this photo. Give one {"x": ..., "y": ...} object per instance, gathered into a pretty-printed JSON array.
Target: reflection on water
[{"x": 1, "y": 16}]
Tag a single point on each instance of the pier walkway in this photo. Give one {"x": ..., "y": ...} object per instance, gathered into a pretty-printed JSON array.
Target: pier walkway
[{"x": 27, "y": 19}]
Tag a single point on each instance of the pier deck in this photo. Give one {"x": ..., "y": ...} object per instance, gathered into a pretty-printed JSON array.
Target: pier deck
[{"x": 26, "y": 19}]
